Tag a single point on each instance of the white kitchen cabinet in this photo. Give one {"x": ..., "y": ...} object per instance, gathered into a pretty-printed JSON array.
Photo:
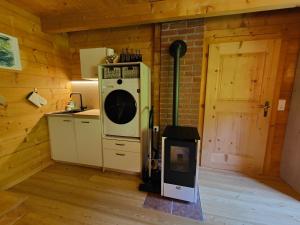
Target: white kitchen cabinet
[
  {"x": 122, "y": 155},
  {"x": 88, "y": 141},
  {"x": 90, "y": 58},
  {"x": 121, "y": 160},
  {"x": 62, "y": 138}
]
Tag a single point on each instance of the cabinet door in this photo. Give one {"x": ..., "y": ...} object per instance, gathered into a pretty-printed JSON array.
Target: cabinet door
[
  {"x": 89, "y": 60},
  {"x": 88, "y": 139},
  {"x": 62, "y": 139}
]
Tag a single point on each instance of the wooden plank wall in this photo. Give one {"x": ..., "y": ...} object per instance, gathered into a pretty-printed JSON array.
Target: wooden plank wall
[
  {"x": 24, "y": 142},
  {"x": 23, "y": 127},
  {"x": 283, "y": 25}
]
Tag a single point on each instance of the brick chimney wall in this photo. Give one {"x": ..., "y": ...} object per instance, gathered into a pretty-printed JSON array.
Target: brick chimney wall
[{"x": 190, "y": 31}]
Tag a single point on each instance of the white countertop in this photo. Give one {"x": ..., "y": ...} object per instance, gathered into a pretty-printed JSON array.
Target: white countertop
[
  {"x": 95, "y": 113},
  {"x": 92, "y": 113}
]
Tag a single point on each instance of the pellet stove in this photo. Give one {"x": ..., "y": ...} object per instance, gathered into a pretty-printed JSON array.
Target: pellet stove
[{"x": 180, "y": 146}]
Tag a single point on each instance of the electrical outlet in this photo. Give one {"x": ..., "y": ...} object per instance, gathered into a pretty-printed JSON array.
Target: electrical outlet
[
  {"x": 281, "y": 105},
  {"x": 156, "y": 128}
]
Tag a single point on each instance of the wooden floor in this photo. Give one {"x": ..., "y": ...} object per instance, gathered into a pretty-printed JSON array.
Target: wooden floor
[
  {"x": 71, "y": 195},
  {"x": 231, "y": 198}
]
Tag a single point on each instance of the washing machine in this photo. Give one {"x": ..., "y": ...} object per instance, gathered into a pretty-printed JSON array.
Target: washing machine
[{"x": 121, "y": 107}]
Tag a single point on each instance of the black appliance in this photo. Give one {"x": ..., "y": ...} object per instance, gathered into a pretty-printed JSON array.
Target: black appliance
[{"x": 180, "y": 155}]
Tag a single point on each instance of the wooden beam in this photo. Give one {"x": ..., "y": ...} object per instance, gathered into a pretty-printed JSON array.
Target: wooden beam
[{"x": 143, "y": 12}]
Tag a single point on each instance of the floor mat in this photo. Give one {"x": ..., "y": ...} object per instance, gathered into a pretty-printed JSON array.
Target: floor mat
[{"x": 174, "y": 207}]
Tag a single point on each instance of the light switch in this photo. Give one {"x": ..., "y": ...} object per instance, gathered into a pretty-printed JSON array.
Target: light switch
[{"x": 281, "y": 104}]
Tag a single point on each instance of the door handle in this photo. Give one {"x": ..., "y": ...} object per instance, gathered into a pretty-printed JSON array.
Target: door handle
[
  {"x": 85, "y": 122},
  {"x": 119, "y": 154},
  {"x": 265, "y": 107}
]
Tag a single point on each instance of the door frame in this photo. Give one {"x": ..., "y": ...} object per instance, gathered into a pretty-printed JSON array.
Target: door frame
[{"x": 211, "y": 39}]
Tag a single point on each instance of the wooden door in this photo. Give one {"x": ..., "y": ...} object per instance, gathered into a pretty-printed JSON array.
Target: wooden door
[{"x": 240, "y": 81}]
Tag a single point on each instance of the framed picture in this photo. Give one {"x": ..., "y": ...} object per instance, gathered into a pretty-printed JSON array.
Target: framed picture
[{"x": 9, "y": 52}]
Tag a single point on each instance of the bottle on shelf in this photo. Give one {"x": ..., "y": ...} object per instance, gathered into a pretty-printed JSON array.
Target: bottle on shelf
[
  {"x": 122, "y": 56},
  {"x": 140, "y": 56},
  {"x": 127, "y": 56},
  {"x": 130, "y": 55}
]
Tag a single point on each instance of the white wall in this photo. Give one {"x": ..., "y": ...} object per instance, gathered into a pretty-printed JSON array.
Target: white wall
[
  {"x": 89, "y": 91},
  {"x": 290, "y": 165}
]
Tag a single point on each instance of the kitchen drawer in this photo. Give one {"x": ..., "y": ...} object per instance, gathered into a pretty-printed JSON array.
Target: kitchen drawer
[
  {"x": 179, "y": 192},
  {"x": 121, "y": 160},
  {"x": 128, "y": 146}
]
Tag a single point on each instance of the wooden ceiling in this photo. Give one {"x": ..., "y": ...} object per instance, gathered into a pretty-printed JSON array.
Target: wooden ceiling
[
  {"x": 75, "y": 15},
  {"x": 44, "y": 8},
  {"x": 49, "y": 7}
]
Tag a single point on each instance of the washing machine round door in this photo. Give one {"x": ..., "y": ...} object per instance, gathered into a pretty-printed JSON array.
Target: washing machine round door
[{"x": 120, "y": 106}]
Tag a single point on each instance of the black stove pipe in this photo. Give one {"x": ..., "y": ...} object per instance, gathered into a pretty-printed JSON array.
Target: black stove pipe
[{"x": 177, "y": 50}]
